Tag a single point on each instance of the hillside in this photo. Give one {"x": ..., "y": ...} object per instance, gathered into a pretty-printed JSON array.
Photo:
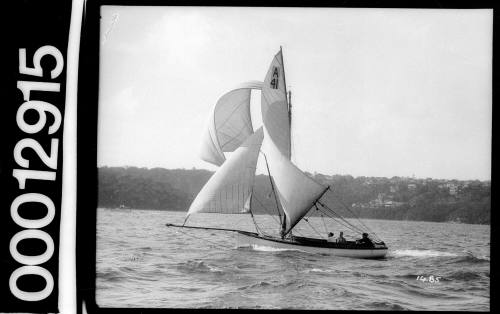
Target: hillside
[{"x": 369, "y": 197}]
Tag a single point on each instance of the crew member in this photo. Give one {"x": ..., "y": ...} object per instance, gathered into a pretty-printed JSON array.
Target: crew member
[
  {"x": 365, "y": 240},
  {"x": 330, "y": 237},
  {"x": 341, "y": 238}
]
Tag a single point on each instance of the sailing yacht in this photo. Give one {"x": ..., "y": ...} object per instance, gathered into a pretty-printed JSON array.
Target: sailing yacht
[{"x": 230, "y": 189}]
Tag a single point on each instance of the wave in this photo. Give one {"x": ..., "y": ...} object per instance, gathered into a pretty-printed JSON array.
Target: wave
[
  {"x": 465, "y": 256},
  {"x": 421, "y": 253},
  {"x": 110, "y": 276},
  {"x": 470, "y": 257},
  {"x": 318, "y": 270},
  {"x": 276, "y": 284},
  {"x": 199, "y": 266},
  {"x": 384, "y": 305},
  {"x": 259, "y": 284},
  {"x": 263, "y": 248},
  {"x": 466, "y": 275}
]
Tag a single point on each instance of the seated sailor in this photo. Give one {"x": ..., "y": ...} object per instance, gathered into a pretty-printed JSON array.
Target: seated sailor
[
  {"x": 330, "y": 237},
  {"x": 341, "y": 238},
  {"x": 364, "y": 240}
]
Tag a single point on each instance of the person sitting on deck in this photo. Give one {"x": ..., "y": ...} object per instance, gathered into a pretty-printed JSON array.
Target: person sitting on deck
[
  {"x": 341, "y": 238},
  {"x": 330, "y": 237},
  {"x": 365, "y": 240}
]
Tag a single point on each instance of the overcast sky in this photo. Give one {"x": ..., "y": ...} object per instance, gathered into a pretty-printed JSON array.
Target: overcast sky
[{"x": 376, "y": 92}]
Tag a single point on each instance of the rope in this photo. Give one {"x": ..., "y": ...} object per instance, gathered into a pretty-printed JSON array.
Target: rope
[
  {"x": 298, "y": 232},
  {"x": 307, "y": 220},
  {"x": 255, "y": 223},
  {"x": 325, "y": 209},
  {"x": 211, "y": 242},
  {"x": 355, "y": 228},
  {"x": 266, "y": 210},
  {"x": 272, "y": 187},
  {"x": 324, "y": 224},
  {"x": 355, "y": 216},
  {"x": 322, "y": 218},
  {"x": 346, "y": 224}
]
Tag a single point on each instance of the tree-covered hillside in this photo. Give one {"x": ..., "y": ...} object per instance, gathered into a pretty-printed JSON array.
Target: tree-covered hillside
[{"x": 369, "y": 197}]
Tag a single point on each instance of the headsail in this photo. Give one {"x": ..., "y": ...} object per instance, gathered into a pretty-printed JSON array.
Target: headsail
[
  {"x": 229, "y": 189},
  {"x": 274, "y": 107},
  {"x": 229, "y": 124}
]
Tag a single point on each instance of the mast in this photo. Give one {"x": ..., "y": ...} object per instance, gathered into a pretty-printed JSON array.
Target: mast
[
  {"x": 288, "y": 104},
  {"x": 283, "y": 224},
  {"x": 288, "y": 100},
  {"x": 290, "y": 119}
]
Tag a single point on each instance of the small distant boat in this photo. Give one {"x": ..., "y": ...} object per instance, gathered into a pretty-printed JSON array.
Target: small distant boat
[{"x": 230, "y": 189}]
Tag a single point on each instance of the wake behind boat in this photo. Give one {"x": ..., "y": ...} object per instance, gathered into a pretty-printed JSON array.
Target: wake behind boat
[{"x": 230, "y": 189}]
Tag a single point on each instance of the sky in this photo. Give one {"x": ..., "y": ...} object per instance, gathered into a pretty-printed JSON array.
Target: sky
[{"x": 375, "y": 92}]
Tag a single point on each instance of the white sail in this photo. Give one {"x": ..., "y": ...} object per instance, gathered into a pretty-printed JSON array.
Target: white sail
[
  {"x": 228, "y": 190},
  {"x": 274, "y": 107},
  {"x": 229, "y": 124},
  {"x": 296, "y": 191}
]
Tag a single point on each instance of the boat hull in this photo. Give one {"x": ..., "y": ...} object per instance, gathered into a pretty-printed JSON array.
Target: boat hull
[{"x": 254, "y": 240}]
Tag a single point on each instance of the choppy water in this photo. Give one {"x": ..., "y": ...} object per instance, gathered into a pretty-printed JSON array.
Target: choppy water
[{"x": 142, "y": 263}]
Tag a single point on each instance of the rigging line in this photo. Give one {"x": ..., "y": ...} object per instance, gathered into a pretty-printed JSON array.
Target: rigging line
[
  {"x": 323, "y": 219},
  {"x": 342, "y": 218},
  {"x": 267, "y": 211},
  {"x": 254, "y": 222},
  {"x": 345, "y": 224},
  {"x": 348, "y": 209},
  {"x": 356, "y": 216},
  {"x": 251, "y": 213},
  {"x": 272, "y": 187},
  {"x": 310, "y": 225},
  {"x": 328, "y": 209},
  {"x": 352, "y": 226},
  {"x": 298, "y": 232},
  {"x": 211, "y": 242}
]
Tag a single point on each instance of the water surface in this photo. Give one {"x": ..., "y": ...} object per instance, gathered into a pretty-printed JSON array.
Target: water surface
[{"x": 142, "y": 263}]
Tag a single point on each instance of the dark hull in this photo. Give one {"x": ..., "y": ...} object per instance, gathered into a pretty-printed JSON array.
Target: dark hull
[{"x": 312, "y": 245}]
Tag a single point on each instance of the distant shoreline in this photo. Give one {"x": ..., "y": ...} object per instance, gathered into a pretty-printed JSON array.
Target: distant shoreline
[
  {"x": 262, "y": 214},
  {"x": 396, "y": 198}
]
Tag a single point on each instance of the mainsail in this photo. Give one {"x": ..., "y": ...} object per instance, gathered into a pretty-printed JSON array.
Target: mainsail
[
  {"x": 297, "y": 192},
  {"x": 229, "y": 189},
  {"x": 229, "y": 124},
  {"x": 274, "y": 107}
]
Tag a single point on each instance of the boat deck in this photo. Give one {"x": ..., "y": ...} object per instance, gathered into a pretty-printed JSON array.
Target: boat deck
[{"x": 322, "y": 243}]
